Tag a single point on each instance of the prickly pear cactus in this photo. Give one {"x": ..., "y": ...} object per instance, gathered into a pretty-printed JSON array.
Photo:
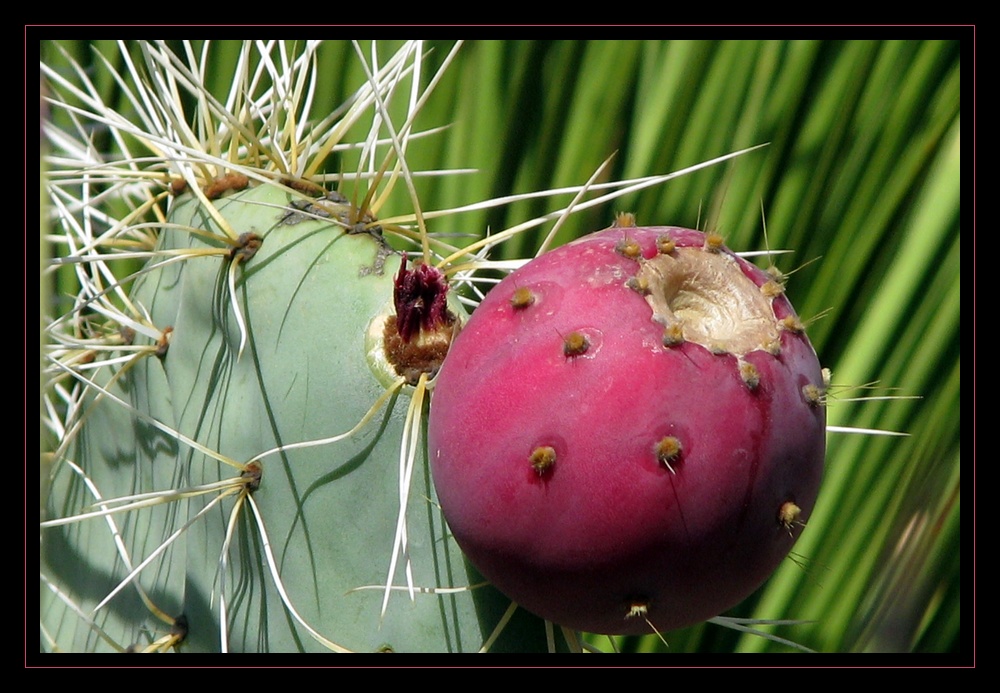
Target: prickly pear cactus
[
  {"x": 253, "y": 302},
  {"x": 627, "y": 436},
  {"x": 287, "y": 362}
]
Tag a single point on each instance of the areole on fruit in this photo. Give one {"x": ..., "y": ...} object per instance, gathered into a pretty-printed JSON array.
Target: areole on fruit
[{"x": 684, "y": 441}]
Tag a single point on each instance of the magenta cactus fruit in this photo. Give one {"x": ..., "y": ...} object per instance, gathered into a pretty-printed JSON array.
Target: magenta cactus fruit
[{"x": 626, "y": 434}]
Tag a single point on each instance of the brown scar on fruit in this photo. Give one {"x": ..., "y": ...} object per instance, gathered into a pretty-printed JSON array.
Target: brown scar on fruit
[
  {"x": 366, "y": 225},
  {"x": 668, "y": 450},
  {"x": 337, "y": 197},
  {"x": 542, "y": 459},
  {"x": 223, "y": 184},
  {"x": 178, "y": 186},
  {"x": 300, "y": 210},
  {"x": 522, "y": 298},
  {"x": 706, "y": 298},
  {"x": 575, "y": 344}
]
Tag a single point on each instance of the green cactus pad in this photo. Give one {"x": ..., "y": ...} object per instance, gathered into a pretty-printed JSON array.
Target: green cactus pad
[{"x": 307, "y": 299}]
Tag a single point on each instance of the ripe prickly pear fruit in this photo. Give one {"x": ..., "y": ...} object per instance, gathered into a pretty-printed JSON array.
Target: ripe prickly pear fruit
[{"x": 626, "y": 435}]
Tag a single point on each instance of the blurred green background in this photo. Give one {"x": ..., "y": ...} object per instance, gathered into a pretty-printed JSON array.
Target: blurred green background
[{"x": 860, "y": 179}]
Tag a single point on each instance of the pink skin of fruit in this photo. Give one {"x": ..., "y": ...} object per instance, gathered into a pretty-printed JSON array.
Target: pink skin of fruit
[{"x": 630, "y": 479}]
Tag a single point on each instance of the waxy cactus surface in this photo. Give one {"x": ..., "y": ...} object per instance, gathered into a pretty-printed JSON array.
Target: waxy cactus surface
[
  {"x": 627, "y": 435},
  {"x": 310, "y": 297}
]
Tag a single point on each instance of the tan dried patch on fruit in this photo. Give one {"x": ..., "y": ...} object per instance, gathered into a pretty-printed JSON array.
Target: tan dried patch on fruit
[{"x": 706, "y": 298}]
